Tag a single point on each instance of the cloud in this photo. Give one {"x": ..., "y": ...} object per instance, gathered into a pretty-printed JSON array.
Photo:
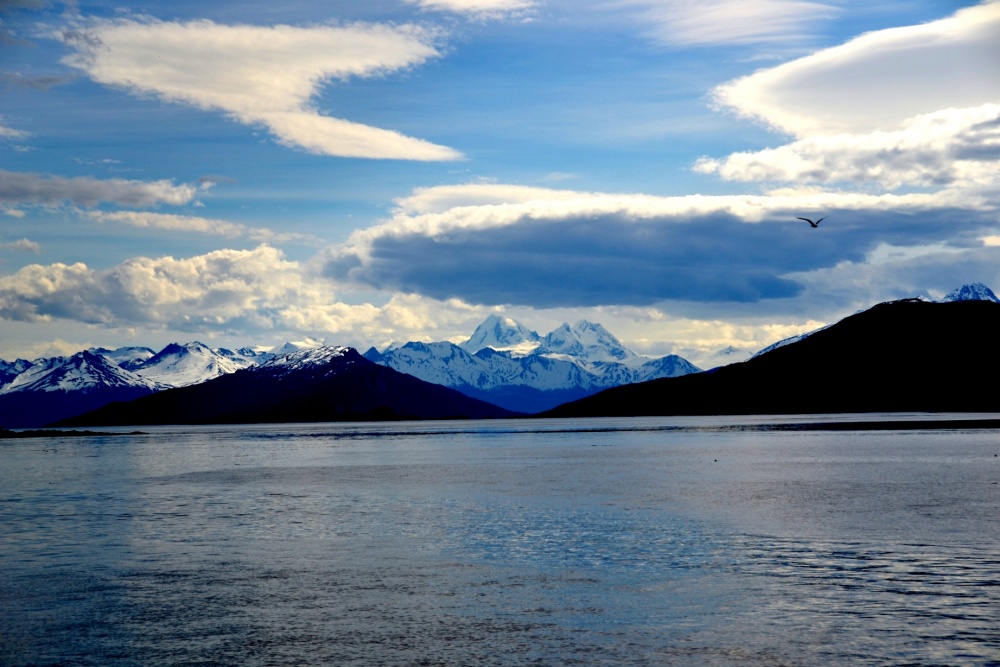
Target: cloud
[
  {"x": 712, "y": 22},
  {"x": 187, "y": 223},
  {"x": 262, "y": 75},
  {"x": 555, "y": 248},
  {"x": 10, "y": 134},
  {"x": 948, "y": 147},
  {"x": 879, "y": 80},
  {"x": 42, "y": 83},
  {"x": 7, "y": 6},
  {"x": 215, "y": 289},
  {"x": 476, "y": 7},
  {"x": 235, "y": 292},
  {"x": 22, "y": 245},
  {"x": 46, "y": 190}
]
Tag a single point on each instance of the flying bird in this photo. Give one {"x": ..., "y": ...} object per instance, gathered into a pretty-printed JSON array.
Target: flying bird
[{"x": 814, "y": 224}]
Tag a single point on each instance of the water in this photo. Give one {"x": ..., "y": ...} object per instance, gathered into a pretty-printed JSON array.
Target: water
[{"x": 600, "y": 542}]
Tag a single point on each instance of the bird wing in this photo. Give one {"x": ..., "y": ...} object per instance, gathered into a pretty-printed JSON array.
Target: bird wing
[{"x": 806, "y": 219}]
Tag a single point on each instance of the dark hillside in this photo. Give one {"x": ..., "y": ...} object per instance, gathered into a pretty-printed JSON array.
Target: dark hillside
[{"x": 899, "y": 356}]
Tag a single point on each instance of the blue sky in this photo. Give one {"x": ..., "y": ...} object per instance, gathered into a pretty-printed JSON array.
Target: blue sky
[{"x": 252, "y": 172}]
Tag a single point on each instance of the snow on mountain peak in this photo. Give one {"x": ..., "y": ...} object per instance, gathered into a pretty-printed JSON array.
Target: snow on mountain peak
[
  {"x": 307, "y": 358},
  {"x": 191, "y": 363},
  {"x": 129, "y": 358},
  {"x": 296, "y": 346},
  {"x": 586, "y": 341},
  {"x": 502, "y": 333},
  {"x": 972, "y": 292},
  {"x": 84, "y": 371}
]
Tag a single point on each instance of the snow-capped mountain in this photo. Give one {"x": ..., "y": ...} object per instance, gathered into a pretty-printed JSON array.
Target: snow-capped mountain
[
  {"x": 81, "y": 372},
  {"x": 129, "y": 358},
  {"x": 191, "y": 363},
  {"x": 288, "y": 348},
  {"x": 725, "y": 356},
  {"x": 292, "y": 361},
  {"x": 972, "y": 292},
  {"x": 319, "y": 384},
  {"x": 11, "y": 369},
  {"x": 516, "y": 368},
  {"x": 502, "y": 333},
  {"x": 60, "y": 387},
  {"x": 586, "y": 342}
]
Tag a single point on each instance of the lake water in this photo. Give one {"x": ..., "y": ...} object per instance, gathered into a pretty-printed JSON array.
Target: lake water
[{"x": 595, "y": 542}]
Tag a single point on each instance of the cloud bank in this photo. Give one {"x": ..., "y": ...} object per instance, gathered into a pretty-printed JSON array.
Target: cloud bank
[
  {"x": 555, "y": 248},
  {"x": 218, "y": 289},
  {"x": 261, "y": 75},
  {"x": 948, "y": 147},
  {"x": 233, "y": 292}
]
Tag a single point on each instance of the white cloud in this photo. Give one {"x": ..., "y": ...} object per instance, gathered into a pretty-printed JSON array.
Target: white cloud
[
  {"x": 10, "y": 134},
  {"x": 22, "y": 245},
  {"x": 711, "y": 22},
  {"x": 441, "y": 198},
  {"x": 187, "y": 223},
  {"x": 241, "y": 294},
  {"x": 262, "y": 75},
  {"x": 879, "y": 80},
  {"x": 952, "y": 146},
  {"x": 477, "y": 7},
  {"x": 46, "y": 190},
  {"x": 207, "y": 290}
]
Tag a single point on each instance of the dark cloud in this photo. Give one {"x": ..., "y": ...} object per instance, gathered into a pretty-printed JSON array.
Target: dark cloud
[
  {"x": 42, "y": 83},
  {"x": 46, "y": 190},
  {"x": 621, "y": 260},
  {"x": 7, "y": 6}
]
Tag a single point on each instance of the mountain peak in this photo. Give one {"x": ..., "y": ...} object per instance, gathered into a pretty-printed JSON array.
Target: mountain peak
[
  {"x": 309, "y": 357},
  {"x": 180, "y": 365},
  {"x": 972, "y": 292},
  {"x": 501, "y": 333},
  {"x": 83, "y": 371},
  {"x": 586, "y": 340},
  {"x": 291, "y": 347}
]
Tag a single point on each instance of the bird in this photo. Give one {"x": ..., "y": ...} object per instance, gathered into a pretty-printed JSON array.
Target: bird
[{"x": 814, "y": 224}]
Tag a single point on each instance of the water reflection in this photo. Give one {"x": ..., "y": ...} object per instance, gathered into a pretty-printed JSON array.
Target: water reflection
[{"x": 445, "y": 544}]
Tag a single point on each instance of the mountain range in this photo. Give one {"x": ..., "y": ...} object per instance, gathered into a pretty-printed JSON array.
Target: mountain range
[
  {"x": 313, "y": 385},
  {"x": 503, "y": 363},
  {"x": 507, "y": 364}
]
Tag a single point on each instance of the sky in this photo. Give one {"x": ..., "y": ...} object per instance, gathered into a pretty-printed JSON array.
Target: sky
[{"x": 248, "y": 173}]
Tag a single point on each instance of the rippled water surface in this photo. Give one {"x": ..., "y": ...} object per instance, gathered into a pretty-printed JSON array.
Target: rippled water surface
[{"x": 604, "y": 542}]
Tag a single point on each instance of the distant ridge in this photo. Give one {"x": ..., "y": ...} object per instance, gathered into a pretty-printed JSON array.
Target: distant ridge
[
  {"x": 899, "y": 356},
  {"x": 314, "y": 385}
]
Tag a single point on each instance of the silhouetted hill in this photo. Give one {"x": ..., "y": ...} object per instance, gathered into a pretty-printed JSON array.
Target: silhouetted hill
[
  {"x": 323, "y": 384},
  {"x": 899, "y": 356}
]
